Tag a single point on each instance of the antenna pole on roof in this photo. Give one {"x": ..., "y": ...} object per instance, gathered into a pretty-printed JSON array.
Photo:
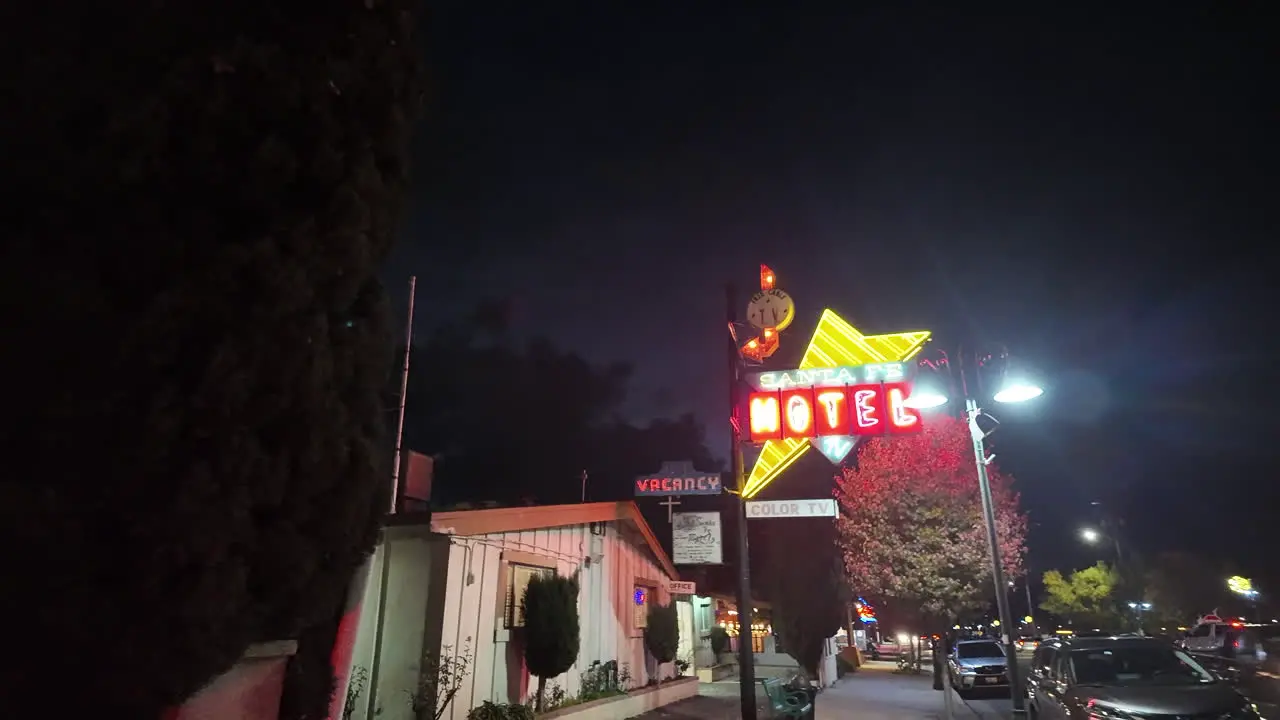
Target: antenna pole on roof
[{"x": 404, "y": 393}]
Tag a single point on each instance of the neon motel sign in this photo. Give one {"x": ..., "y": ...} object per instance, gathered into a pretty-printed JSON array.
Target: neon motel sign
[
  {"x": 842, "y": 358},
  {"x": 842, "y": 401}
]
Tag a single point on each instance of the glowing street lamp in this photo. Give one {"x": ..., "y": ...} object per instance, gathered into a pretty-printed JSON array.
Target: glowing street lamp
[
  {"x": 1016, "y": 390},
  {"x": 1138, "y": 608},
  {"x": 1090, "y": 535},
  {"x": 928, "y": 392}
]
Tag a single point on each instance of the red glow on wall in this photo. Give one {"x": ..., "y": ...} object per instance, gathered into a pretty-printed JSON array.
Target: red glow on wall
[
  {"x": 869, "y": 409},
  {"x": 764, "y": 415},
  {"x": 797, "y": 413}
]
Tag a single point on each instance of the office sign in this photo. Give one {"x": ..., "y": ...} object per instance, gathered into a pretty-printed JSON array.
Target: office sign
[
  {"x": 680, "y": 587},
  {"x": 823, "y": 507}
]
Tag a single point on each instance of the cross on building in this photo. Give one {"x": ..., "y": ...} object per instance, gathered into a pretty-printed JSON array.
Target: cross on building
[{"x": 671, "y": 503}]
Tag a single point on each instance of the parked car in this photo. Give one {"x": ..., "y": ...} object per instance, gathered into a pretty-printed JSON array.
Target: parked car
[
  {"x": 1123, "y": 677},
  {"x": 1248, "y": 656},
  {"x": 975, "y": 664}
]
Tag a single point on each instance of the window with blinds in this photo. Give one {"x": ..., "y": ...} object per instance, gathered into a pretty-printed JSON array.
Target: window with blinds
[{"x": 518, "y": 577}]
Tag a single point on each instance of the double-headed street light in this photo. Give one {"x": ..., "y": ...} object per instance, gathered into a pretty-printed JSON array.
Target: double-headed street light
[
  {"x": 930, "y": 392},
  {"x": 1138, "y": 608}
]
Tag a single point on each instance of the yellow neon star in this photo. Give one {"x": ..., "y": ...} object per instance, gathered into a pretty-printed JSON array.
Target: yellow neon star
[{"x": 834, "y": 343}]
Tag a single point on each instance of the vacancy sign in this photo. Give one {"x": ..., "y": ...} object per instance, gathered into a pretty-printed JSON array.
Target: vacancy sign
[{"x": 791, "y": 508}]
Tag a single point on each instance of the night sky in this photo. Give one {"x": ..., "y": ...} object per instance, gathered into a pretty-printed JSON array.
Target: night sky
[{"x": 1094, "y": 190}]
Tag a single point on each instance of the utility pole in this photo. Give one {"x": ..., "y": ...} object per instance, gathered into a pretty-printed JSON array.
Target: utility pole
[
  {"x": 1031, "y": 609},
  {"x": 746, "y": 659},
  {"x": 404, "y": 395},
  {"x": 384, "y": 562}
]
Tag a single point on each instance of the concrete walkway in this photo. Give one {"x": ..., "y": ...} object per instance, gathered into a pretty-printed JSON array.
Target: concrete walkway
[{"x": 874, "y": 692}]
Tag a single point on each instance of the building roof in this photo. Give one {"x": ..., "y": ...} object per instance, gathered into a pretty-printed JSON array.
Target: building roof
[{"x": 533, "y": 517}]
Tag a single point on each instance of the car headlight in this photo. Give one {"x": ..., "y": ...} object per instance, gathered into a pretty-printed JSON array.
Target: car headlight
[{"x": 1107, "y": 712}]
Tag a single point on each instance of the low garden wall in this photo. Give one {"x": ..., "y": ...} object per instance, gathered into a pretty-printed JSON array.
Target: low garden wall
[{"x": 635, "y": 702}]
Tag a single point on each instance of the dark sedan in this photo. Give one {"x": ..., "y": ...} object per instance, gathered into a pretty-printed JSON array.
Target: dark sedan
[{"x": 1126, "y": 678}]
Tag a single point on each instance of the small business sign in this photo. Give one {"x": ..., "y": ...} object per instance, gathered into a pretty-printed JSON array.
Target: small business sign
[
  {"x": 680, "y": 587},
  {"x": 678, "y": 478},
  {"x": 823, "y": 507},
  {"x": 696, "y": 539}
]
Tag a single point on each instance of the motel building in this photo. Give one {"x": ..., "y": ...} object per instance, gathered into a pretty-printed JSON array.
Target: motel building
[{"x": 455, "y": 580}]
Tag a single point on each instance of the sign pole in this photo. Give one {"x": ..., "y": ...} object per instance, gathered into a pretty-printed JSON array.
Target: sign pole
[{"x": 746, "y": 659}]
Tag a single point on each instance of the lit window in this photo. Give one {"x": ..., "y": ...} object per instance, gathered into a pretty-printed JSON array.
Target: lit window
[{"x": 518, "y": 577}]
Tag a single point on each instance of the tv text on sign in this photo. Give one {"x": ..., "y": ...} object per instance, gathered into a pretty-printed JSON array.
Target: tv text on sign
[
  {"x": 822, "y": 507},
  {"x": 822, "y": 411}
]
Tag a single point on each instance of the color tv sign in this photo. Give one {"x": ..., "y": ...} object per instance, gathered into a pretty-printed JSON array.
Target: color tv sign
[{"x": 822, "y": 402}]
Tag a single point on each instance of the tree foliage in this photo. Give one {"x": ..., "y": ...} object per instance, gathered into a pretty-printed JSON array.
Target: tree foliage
[
  {"x": 808, "y": 589},
  {"x": 1181, "y": 587},
  {"x": 491, "y": 408},
  {"x": 911, "y": 526},
  {"x": 1085, "y": 597},
  {"x": 195, "y": 225},
  {"x": 662, "y": 633},
  {"x": 551, "y": 627}
]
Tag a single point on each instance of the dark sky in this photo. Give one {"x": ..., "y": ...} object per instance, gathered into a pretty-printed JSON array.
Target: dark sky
[{"x": 1095, "y": 190}]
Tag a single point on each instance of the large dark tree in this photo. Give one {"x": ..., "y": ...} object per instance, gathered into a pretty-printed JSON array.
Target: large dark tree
[
  {"x": 511, "y": 420},
  {"x": 807, "y": 588},
  {"x": 662, "y": 634},
  {"x": 551, "y": 628},
  {"x": 199, "y": 195}
]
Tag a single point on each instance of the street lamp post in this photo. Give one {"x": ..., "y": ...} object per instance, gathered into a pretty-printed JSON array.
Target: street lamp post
[
  {"x": 993, "y": 542},
  {"x": 1012, "y": 390},
  {"x": 1138, "y": 608},
  {"x": 1031, "y": 611}
]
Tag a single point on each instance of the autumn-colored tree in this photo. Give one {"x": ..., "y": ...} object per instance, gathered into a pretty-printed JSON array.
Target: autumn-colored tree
[
  {"x": 1183, "y": 586},
  {"x": 1085, "y": 597},
  {"x": 911, "y": 525}
]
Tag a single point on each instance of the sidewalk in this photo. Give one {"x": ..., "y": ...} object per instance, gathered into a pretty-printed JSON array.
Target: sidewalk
[
  {"x": 874, "y": 692},
  {"x": 715, "y": 701}
]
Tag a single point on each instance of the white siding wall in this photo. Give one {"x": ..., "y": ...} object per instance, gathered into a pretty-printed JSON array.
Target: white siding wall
[{"x": 605, "y": 606}]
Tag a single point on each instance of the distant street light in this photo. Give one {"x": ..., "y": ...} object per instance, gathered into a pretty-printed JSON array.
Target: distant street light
[
  {"x": 929, "y": 392},
  {"x": 1139, "y": 608},
  {"x": 1090, "y": 535}
]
